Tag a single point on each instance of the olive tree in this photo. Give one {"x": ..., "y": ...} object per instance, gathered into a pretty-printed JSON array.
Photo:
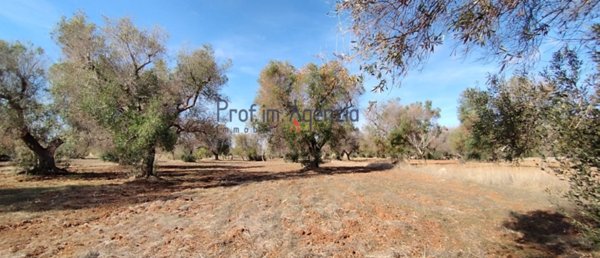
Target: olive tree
[
  {"x": 248, "y": 146},
  {"x": 396, "y": 36},
  {"x": 407, "y": 129},
  {"x": 476, "y": 138},
  {"x": 215, "y": 137},
  {"x": 24, "y": 110},
  {"x": 118, "y": 76},
  {"x": 201, "y": 131},
  {"x": 345, "y": 140},
  {"x": 573, "y": 133},
  {"x": 557, "y": 116},
  {"x": 275, "y": 96},
  {"x": 505, "y": 120},
  {"x": 313, "y": 103}
]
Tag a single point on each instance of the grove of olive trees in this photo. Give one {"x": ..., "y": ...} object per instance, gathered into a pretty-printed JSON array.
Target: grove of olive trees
[{"x": 117, "y": 90}]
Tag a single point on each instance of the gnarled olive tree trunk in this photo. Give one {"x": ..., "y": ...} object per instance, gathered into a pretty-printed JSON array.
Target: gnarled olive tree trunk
[{"x": 46, "y": 163}]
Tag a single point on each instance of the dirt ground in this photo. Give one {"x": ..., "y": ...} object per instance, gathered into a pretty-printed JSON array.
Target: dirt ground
[{"x": 274, "y": 209}]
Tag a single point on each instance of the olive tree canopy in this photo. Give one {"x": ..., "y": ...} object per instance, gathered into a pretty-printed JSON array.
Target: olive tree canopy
[
  {"x": 24, "y": 114},
  {"x": 118, "y": 76},
  {"x": 396, "y": 36}
]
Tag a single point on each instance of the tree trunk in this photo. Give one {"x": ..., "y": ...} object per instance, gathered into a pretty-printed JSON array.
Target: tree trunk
[
  {"x": 45, "y": 156},
  {"x": 148, "y": 163},
  {"x": 216, "y": 155},
  {"x": 316, "y": 154},
  {"x": 315, "y": 163}
]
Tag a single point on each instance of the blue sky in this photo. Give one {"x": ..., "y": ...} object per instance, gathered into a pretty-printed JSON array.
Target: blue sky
[{"x": 250, "y": 33}]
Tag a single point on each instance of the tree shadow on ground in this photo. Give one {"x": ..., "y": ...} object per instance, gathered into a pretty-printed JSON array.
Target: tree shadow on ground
[
  {"x": 545, "y": 233},
  {"x": 201, "y": 166},
  {"x": 79, "y": 176},
  {"x": 120, "y": 191}
]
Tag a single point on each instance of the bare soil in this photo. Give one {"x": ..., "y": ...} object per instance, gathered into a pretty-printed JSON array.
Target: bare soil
[{"x": 273, "y": 209}]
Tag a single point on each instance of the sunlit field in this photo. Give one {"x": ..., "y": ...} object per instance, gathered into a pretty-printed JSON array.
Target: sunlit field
[{"x": 274, "y": 208}]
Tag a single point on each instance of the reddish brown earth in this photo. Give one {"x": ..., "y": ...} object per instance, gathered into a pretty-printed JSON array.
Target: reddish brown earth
[{"x": 273, "y": 209}]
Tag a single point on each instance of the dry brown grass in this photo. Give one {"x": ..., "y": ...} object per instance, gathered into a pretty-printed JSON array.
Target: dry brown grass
[
  {"x": 274, "y": 209},
  {"x": 524, "y": 176}
]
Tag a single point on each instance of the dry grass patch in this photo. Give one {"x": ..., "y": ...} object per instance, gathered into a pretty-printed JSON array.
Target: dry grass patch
[
  {"x": 525, "y": 177},
  {"x": 273, "y": 209}
]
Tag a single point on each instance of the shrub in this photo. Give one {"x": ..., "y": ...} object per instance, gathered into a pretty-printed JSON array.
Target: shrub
[
  {"x": 109, "y": 156},
  {"x": 293, "y": 157},
  {"x": 25, "y": 158},
  {"x": 253, "y": 156},
  {"x": 202, "y": 153},
  {"x": 188, "y": 157}
]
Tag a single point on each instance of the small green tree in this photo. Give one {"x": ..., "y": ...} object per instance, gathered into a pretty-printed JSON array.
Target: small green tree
[
  {"x": 477, "y": 122},
  {"x": 457, "y": 139},
  {"x": 278, "y": 89},
  {"x": 215, "y": 138},
  {"x": 330, "y": 93}
]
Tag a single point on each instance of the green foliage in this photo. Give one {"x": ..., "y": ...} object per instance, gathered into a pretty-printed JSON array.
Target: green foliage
[
  {"x": 217, "y": 141},
  {"x": 202, "y": 153},
  {"x": 517, "y": 116},
  {"x": 117, "y": 76},
  {"x": 248, "y": 146},
  {"x": 346, "y": 140},
  {"x": 306, "y": 95},
  {"x": 402, "y": 131},
  {"x": 394, "y": 37},
  {"x": 573, "y": 111},
  {"x": 417, "y": 129},
  {"x": 457, "y": 139},
  {"x": 558, "y": 116},
  {"x": 25, "y": 116},
  {"x": 110, "y": 156},
  {"x": 75, "y": 146},
  {"x": 24, "y": 158},
  {"x": 505, "y": 121},
  {"x": 477, "y": 122},
  {"x": 188, "y": 157}
]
